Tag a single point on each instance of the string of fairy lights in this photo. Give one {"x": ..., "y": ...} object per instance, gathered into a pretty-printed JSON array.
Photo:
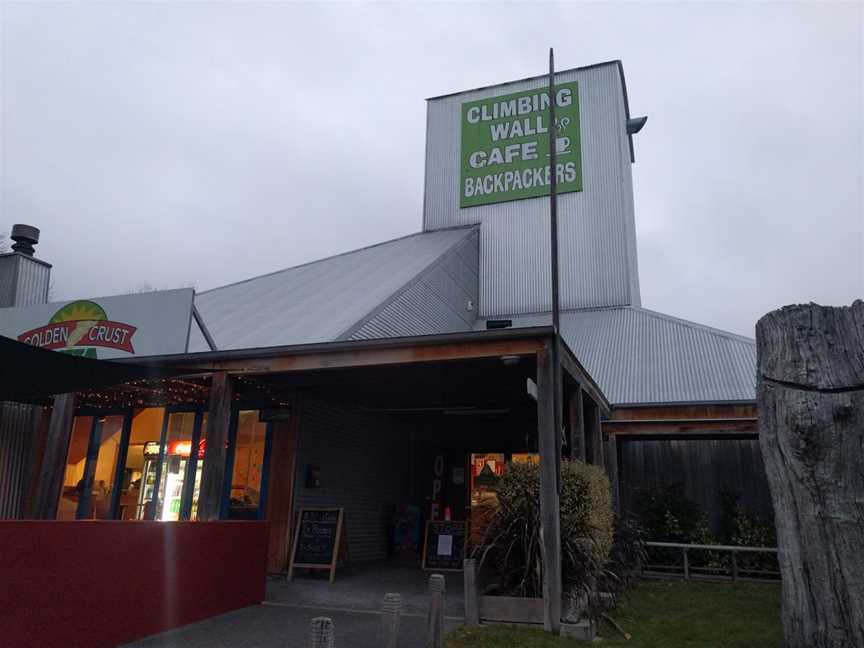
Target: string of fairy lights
[{"x": 174, "y": 391}]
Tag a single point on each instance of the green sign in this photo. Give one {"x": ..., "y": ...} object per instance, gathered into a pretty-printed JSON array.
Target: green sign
[{"x": 505, "y": 146}]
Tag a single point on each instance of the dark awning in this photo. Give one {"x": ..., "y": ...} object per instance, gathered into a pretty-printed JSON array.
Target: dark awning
[{"x": 28, "y": 373}]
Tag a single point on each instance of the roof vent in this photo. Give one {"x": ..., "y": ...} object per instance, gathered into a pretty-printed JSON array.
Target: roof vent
[
  {"x": 498, "y": 324},
  {"x": 25, "y": 237}
]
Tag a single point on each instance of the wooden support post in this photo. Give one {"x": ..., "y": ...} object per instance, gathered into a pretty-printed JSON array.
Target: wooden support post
[
  {"x": 321, "y": 633},
  {"x": 53, "y": 467},
  {"x": 436, "y": 611},
  {"x": 810, "y": 399},
  {"x": 216, "y": 451},
  {"x": 390, "y": 612},
  {"x": 550, "y": 519},
  {"x": 472, "y": 597},
  {"x": 686, "y": 565},
  {"x": 612, "y": 470},
  {"x": 576, "y": 424},
  {"x": 280, "y": 496}
]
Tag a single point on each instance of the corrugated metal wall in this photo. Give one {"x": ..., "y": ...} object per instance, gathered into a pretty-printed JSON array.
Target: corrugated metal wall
[
  {"x": 435, "y": 302},
  {"x": 705, "y": 467},
  {"x": 363, "y": 461},
  {"x": 24, "y": 281},
  {"x": 597, "y": 230},
  {"x": 19, "y": 425}
]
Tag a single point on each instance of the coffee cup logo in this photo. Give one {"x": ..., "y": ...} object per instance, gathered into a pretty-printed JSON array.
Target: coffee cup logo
[{"x": 562, "y": 145}]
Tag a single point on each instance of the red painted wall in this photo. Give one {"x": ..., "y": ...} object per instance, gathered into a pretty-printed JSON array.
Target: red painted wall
[{"x": 101, "y": 583}]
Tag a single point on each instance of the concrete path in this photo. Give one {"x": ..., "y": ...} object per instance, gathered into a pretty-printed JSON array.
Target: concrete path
[
  {"x": 281, "y": 626},
  {"x": 353, "y": 602},
  {"x": 363, "y": 588}
]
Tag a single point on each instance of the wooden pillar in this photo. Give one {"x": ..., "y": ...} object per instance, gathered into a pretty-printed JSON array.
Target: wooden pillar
[
  {"x": 216, "y": 451},
  {"x": 576, "y": 424},
  {"x": 612, "y": 470},
  {"x": 550, "y": 520},
  {"x": 53, "y": 467},
  {"x": 280, "y": 496}
]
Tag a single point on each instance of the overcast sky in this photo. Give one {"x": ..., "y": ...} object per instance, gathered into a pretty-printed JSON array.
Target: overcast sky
[{"x": 199, "y": 144}]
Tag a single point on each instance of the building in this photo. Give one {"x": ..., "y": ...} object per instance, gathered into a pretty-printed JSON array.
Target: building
[{"x": 383, "y": 381}]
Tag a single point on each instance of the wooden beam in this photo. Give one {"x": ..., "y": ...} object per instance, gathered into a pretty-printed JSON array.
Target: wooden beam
[
  {"x": 577, "y": 372},
  {"x": 686, "y": 412},
  {"x": 576, "y": 424},
  {"x": 372, "y": 357},
  {"x": 280, "y": 496},
  {"x": 550, "y": 520},
  {"x": 612, "y": 471},
  {"x": 681, "y": 427},
  {"x": 216, "y": 451},
  {"x": 53, "y": 468}
]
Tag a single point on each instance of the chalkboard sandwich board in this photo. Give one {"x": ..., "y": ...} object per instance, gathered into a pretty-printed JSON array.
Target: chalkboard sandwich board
[
  {"x": 318, "y": 540},
  {"x": 444, "y": 546}
]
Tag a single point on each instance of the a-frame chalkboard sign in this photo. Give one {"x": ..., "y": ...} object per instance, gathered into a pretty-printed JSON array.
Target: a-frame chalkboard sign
[{"x": 319, "y": 540}]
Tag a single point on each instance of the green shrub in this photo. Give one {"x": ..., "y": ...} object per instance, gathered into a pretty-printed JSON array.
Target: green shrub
[{"x": 510, "y": 553}]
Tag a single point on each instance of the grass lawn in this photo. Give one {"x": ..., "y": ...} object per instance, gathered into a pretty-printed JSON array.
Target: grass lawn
[{"x": 664, "y": 614}]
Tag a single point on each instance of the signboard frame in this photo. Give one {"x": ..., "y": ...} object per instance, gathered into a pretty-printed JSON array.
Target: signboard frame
[
  {"x": 338, "y": 545},
  {"x": 504, "y": 146},
  {"x": 426, "y": 540}
]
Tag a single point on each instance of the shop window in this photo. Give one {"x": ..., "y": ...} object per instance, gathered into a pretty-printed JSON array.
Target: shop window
[
  {"x": 76, "y": 461},
  {"x": 108, "y": 434},
  {"x": 175, "y": 465},
  {"x": 139, "y": 475},
  {"x": 248, "y": 467}
]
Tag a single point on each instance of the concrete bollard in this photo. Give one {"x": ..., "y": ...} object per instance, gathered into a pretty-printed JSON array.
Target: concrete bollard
[
  {"x": 436, "y": 612},
  {"x": 390, "y": 612},
  {"x": 321, "y": 633},
  {"x": 472, "y": 600}
]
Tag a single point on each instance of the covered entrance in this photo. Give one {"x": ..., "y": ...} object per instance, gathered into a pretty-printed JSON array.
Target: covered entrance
[{"x": 394, "y": 433}]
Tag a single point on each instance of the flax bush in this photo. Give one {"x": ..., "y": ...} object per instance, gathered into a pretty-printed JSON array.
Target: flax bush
[{"x": 510, "y": 555}]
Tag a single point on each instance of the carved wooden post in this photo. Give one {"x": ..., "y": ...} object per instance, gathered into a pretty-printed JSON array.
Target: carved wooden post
[
  {"x": 436, "y": 612},
  {"x": 53, "y": 466},
  {"x": 472, "y": 598},
  {"x": 550, "y": 515},
  {"x": 390, "y": 612},
  {"x": 321, "y": 633},
  {"x": 811, "y": 431},
  {"x": 216, "y": 451}
]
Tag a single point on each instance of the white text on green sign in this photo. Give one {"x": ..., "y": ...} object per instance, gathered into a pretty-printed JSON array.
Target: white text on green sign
[{"x": 505, "y": 146}]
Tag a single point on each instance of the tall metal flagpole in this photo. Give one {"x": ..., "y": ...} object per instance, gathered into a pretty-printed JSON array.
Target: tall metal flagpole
[{"x": 553, "y": 217}]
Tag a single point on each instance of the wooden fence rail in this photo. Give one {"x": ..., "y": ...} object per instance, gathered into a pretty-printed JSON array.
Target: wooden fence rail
[{"x": 732, "y": 549}]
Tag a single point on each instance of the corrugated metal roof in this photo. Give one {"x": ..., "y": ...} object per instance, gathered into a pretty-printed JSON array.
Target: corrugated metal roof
[
  {"x": 318, "y": 301},
  {"x": 640, "y": 356}
]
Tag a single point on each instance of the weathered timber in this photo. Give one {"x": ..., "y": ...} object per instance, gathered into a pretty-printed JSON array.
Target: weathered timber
[
  {"x": 280, "y": 496},
  {"x": 53, "y": 467},
  {"x": 550, "y": 521},
  {"x": 576, "y": 424},
  {"x": 810, "y": 399},
  {"x": 435, "y": 638},
  {"x": 472, "y": 594},
  {"x": 390, "y": 612},
  {"x": 322, "y": 633},
  {"x": 216, "y": 451}
]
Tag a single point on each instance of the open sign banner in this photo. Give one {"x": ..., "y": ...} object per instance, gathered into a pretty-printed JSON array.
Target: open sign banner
[{"x": 505, "y": 146}]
